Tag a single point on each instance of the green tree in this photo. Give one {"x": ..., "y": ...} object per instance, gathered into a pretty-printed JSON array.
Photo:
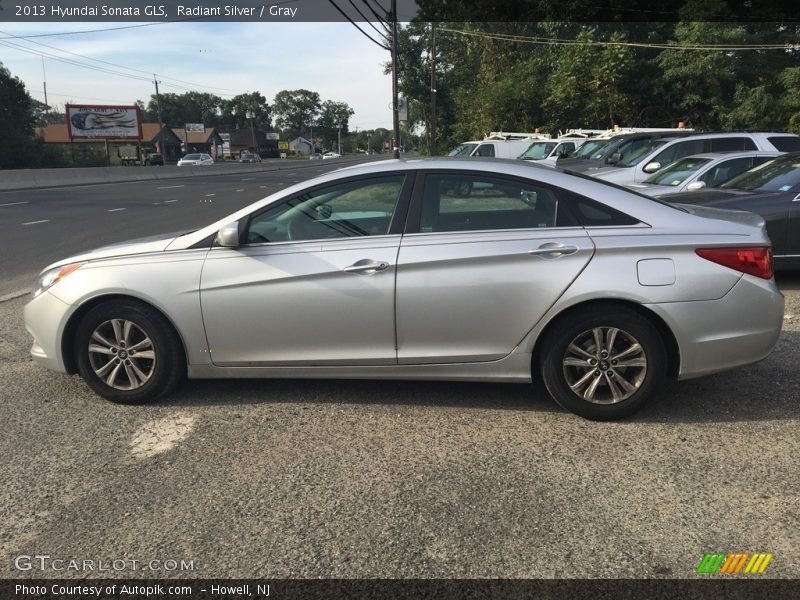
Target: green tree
[
  {"x": 295, "y": 110},
  {"x": 333, "y": 116},
  {"x": 234, "y": 111},
  {"x": 17, "y": 121}
]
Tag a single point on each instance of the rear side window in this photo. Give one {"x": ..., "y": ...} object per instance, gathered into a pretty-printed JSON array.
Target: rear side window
[
  {"x": 732, "y": 144},
  {"x": 785, "y": 143},
  {"x": 591, "y": 213}
]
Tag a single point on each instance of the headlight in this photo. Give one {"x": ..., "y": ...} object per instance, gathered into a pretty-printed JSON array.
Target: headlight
[{"x": 52, "y": 276}]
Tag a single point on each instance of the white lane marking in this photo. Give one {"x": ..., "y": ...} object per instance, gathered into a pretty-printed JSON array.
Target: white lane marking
[
  {"x": 262, "y": 186},
  {"x": 169, "y": 187},
  {"x": 115, "y": 209},
  {"x": 240, "y": 190},
  {"x": 161, "y": 435},
  {"x": 209, "y": 195},
  {"x": 37, "y": 222},
  {"x": 169, "y": 201},
  {"x": 290, "y": 174},
  {"x": 320, "y": 170},
  {"x": 13, "y": 203},
  {"x": 12, "y": 295},
  {"x": 248, "y": 179}
]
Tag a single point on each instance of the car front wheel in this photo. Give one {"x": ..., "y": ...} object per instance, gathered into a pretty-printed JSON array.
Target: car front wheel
[
  {"x": 128, "y": 353},
  {"x": 603, "y": 363}
]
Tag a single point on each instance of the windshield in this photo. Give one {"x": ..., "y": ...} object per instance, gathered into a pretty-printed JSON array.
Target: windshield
[
  {"x": 462, "y": 150},
  {"x": 677, "y": 172},
  {"x": 637, "y": 155},
  {"x": 191, "y": 157},
  {"x": 587, "y": 149},
  {"x": 773, "y": 176},
  {"x": 538, "y": 151}
]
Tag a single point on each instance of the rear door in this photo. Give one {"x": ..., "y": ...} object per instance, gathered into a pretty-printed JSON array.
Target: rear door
[{"x": 476, "y": 273}]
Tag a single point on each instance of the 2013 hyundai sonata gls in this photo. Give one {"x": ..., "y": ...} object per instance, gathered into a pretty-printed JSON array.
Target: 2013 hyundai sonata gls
[{"x": 384, "y": 271}]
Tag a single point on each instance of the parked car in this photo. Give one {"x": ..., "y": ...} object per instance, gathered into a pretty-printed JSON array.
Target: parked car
[
  {"x": 492, "y": 148},
  {"x": 617, "y": 148},
  {"x": 771, "y": 190},
  {"x": 351, "y": 275},
  {"x": 249, "y": 157},
  {"x": 315, "y": 156},
  {"x": 195, "y": 160},
  {"x": 640, "y": 165},
  {"x": 331, "y": 155},
  {"x": 699, "y": 171},
  {"x": 154, "y": 159}
]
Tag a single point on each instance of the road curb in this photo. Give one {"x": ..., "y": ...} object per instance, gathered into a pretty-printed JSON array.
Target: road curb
[{"x": 14, "y": 295}]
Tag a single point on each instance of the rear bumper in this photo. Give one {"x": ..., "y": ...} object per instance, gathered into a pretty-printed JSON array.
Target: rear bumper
[{"x": 740, "y": 328}]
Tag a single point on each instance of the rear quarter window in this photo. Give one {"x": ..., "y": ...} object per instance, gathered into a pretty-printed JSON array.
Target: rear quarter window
[{"x": 785, "y": 143}]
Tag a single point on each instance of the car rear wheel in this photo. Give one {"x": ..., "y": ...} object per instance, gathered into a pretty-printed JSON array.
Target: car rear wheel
[
  {"x": 128, "y": 353},
  {"x": 603, "y": 363}
]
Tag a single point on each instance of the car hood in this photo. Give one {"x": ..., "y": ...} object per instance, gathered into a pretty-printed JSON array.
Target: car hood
[{"x": 156, "y": 243}]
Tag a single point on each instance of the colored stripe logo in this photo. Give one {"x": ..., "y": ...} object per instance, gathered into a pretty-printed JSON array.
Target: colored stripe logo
[{"x": 734, "y": 563}]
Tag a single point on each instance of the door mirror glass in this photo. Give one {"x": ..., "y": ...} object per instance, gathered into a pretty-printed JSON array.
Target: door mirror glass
[
  {"x": 652, "y": 167},
  {"x": 696, "y": 185},
  {"x": 228, "y": 236}
]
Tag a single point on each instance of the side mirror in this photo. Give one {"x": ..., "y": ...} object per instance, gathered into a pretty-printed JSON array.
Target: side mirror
[
  {"x": 614, "y": 158},
  {"x": 695, "y": 185},
  {"x": 228, "y": 236},
  {"x": 652, "y": 167}
]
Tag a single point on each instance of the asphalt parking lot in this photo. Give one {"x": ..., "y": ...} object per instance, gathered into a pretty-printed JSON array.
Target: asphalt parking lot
[{"x": 397, "y": 479}]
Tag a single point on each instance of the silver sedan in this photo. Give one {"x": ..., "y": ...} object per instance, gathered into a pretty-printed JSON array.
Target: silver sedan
[{"x": 383, "y": 271}]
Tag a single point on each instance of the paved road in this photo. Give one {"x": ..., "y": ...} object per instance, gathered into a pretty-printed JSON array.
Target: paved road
[
  {"x": 41, "y": 226},
  {"x": 378, "y": 479}
]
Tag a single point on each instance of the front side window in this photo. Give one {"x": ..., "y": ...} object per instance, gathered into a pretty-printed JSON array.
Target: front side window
[
  {"x": 485, "y": 150},
  {"x": 351, "y": 209},
  {"x": 636, "y": 151},
  {"x": 778, "y": 175},
  {"x": 679, "y": 150},
  {"x": 677, "y": 172},
  {"x": 462, "y": 150},
  {"x": 479, "y": 203},
  {"x": 723, "y": 171}
]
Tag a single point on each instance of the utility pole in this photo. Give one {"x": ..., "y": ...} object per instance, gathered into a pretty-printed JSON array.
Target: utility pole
[
  {"x": 340, "y": 138},
  {"x": 44, "y": 82},
  {"x": 433, "y": 151},
  {"x": 395, "y": 107},
  {"x": 251, "y": 115},
  {"x": 163, "y": 140}
]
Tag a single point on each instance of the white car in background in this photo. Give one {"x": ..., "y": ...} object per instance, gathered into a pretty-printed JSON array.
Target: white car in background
[
  {"x": 196, "y": 160},
  {"x": 640, "y": 165},
  {"x": 551, "y": 150},
  {"x": 700, "y": 171},
  {"x": 331, "y": 155}
]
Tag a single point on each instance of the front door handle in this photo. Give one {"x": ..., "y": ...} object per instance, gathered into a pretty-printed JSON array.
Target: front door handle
[
  {"x": 366, "y": 266},
  {"x": 553, "y": 250}
]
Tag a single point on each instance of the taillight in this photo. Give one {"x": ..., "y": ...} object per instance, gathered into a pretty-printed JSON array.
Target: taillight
[{"x": 751, "y": 260}]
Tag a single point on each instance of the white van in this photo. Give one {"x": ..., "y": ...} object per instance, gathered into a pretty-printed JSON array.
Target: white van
[{"x": 492, "y": 148}]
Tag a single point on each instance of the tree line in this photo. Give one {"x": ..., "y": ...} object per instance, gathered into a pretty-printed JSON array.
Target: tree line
[{"x": 516, "y": 76}]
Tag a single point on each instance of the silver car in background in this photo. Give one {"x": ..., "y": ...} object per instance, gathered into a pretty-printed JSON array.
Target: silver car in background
[
  {"x": 700, "y": 171},
  {"x": 382, "y": 271}
]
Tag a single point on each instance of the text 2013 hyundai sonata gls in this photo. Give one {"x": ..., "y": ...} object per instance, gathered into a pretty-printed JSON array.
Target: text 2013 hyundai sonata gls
[{"x": 384, "y": 271}]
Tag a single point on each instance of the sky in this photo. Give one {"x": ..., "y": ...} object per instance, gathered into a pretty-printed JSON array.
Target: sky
[{"x": 333, "y": 59}]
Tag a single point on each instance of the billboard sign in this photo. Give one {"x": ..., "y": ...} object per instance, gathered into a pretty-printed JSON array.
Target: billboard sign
[
  {"x": 104, "y": 122},
  {"x": 273, "y": 136},
  {"x": 195, "y": 128}
]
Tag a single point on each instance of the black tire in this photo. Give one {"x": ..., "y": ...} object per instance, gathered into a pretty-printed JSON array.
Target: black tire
[
  {"x": 149, "y": 333},
  {"x": 463, "y": 189},
  {"x": 607, "y": 399}
]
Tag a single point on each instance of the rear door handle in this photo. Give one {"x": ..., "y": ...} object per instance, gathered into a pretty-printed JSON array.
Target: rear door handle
[
  {"x": 553, "y": 250},
  {"x": 366, "y": 266}
]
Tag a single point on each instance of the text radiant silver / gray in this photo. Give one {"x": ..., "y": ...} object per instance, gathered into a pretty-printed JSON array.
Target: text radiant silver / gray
[{"x": 432, "y": 269}]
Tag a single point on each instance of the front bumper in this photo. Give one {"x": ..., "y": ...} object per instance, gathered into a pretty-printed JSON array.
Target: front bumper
[{"x": 45, "y": 319}]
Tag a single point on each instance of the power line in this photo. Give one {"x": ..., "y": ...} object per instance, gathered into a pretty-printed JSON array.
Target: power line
[
  {"x": 38, "y": 35},
  {"x": 379, "y": 32},
  {"x": 364, "y": 33},
  {"x": 663, "y": 46}
]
